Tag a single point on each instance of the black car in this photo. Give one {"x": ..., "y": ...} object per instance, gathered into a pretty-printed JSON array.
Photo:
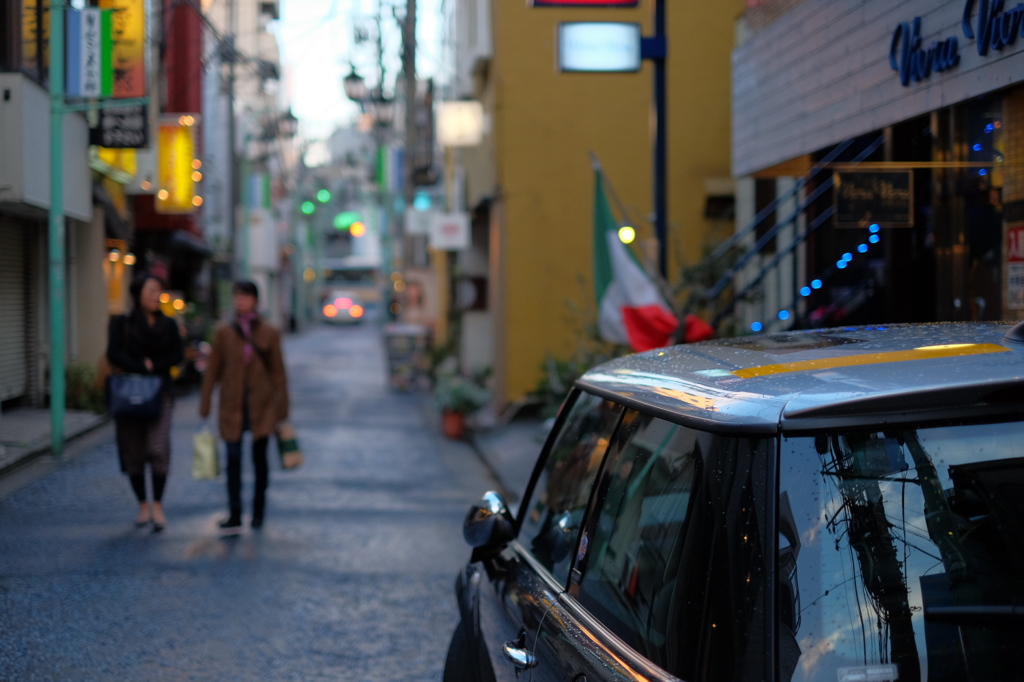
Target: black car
[{"x": 841, "y": 505}]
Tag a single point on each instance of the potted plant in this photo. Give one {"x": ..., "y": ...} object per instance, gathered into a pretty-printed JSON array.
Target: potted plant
[{"x": 457, "y": 395}]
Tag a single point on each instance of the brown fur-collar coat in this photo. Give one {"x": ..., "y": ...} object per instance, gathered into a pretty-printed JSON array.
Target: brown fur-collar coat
[{"x": 263, "y": 376}]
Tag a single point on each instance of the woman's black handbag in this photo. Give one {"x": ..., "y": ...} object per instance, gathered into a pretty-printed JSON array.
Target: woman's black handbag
[{"x": 135, "y": 395}]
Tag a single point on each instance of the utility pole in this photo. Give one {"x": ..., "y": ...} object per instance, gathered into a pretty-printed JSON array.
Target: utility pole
[
  {"x": 233, "y": 185},
  {"x": 55, "y": 236},
  {"x": 409, "y": 68}
]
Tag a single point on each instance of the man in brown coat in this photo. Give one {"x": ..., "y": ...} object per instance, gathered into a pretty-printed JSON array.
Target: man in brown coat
[{"x": 246, "y": 360}]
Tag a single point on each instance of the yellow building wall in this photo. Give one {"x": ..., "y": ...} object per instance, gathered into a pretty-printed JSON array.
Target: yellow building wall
[{"x": 546, "y": 123}]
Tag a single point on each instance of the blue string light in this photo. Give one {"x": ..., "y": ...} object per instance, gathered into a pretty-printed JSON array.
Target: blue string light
[
  {"x": 847, "y": 258},
  {"x": 756, "y": 326},
  {"x": 977, "y": 147},
  {"x": 982, "y": 172},
  {"x": 989, "y": 128}
]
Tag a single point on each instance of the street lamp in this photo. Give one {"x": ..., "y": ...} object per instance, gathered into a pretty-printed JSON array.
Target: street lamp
[
  {"x": 256, "y": 146},
  {"x": 288, "y": 125},
  {"x": 380, "y": 108},
  {"x": 355, "y": 87}
]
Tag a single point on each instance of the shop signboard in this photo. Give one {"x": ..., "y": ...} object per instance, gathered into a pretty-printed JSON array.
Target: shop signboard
[
  {"x": 1015, "y": 268},
  {"x": 599, "y": 47},
  {"x": 450, "y": 231},
  {"x": 129, "y": 46},
  {"x": 418, "y": 222},
  {"x": 585, "y": 3},
  {"x": 121, "y": 128},
  {"x": 176, "y": 165},
  {"x": 460, "y": 124},
  {"x": 89, "y": 72},
  {"x": 882, "y": 197}
]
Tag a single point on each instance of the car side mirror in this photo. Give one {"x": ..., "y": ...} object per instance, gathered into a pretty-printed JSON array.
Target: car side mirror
[{"x": 489, "y": 522}]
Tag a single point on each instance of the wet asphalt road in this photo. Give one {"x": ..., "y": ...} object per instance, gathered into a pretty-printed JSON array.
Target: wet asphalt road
[{"x": 350, "y": 579}]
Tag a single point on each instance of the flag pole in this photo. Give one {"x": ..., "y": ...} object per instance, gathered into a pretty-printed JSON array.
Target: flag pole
[{"x": 659, "y": 279}]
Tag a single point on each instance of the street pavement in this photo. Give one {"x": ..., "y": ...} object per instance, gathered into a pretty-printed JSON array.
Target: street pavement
[{"x": 351, "y": 577}]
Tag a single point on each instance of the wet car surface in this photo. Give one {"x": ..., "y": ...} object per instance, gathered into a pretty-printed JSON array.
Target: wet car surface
[{"x": 842, "y": 504}]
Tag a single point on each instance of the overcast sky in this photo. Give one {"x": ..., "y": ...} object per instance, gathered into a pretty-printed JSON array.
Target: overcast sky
[{"x": 317, "y": 45}]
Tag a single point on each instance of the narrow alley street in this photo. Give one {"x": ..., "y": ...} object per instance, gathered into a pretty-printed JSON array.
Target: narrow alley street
[{"x": 350, "y": 579}]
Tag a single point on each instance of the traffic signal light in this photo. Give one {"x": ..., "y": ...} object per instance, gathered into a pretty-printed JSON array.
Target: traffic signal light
[
  {"x": 345, "y": 220},
  {"x": 308, "y": 207}
]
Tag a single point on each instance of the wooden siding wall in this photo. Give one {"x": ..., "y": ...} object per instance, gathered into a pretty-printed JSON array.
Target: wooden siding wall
[{"x": 821, "y": 74}]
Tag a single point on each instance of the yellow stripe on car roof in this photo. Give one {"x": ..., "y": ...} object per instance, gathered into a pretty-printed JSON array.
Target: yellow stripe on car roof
[{"x": 922, "y": 353}]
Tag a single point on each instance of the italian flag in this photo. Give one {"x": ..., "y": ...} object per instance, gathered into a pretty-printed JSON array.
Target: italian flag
[{"x": 631, "y": 310}]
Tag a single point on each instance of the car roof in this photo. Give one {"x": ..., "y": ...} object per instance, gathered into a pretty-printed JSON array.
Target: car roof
[{"x": 825, "y": 378}]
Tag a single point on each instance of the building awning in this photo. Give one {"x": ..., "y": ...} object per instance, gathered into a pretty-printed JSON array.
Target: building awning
[
  {"x": 187, "y": 241},
  {"x": 116, "y": 224}
]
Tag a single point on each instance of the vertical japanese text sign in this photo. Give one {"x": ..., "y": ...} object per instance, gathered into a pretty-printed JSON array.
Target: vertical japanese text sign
[
  {"x": 129, "y": 37},
  {"x": 89, "y": 69}
]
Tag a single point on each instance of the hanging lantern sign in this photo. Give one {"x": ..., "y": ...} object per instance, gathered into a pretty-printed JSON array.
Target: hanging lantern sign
[{"x": 176, "y": 152}]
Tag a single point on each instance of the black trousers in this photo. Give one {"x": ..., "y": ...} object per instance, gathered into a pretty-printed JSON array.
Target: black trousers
[{"x": 259, "y": 463}]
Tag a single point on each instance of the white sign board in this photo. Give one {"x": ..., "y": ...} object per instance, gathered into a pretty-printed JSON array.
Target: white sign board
[
  {"x": 599, "y": 46},
  {"x": 460, "y": 124},
  {"x": 418, "y": 222},
  {"x": 450, "y": 232}
]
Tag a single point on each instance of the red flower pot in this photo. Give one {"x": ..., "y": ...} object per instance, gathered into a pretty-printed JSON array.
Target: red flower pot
[{"x": 453, "y": 423}]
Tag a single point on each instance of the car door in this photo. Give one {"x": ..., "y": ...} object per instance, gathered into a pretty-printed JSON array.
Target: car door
[
  {"x": 667, "y": 580},
  {"x": 526, "y": 577}
]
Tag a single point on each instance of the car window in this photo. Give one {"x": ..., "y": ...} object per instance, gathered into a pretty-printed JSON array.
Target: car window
[
  {"x": 900, "y": 554},
  {"x": 632, "y": 554},
  {"x": 553, "y": 515},
  {"x": 672, "y": 501}
]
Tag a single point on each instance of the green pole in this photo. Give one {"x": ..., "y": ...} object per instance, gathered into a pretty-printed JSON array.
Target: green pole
[{"x": 56, "y": 227}]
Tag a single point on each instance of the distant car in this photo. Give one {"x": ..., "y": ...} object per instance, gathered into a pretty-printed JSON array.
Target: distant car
[
  {"x": 839, "y": 505},
  {"x": 342, "y": 305}
]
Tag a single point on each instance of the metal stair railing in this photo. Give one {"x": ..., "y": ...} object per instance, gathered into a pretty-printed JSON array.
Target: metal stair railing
[
  {"x": 773, "y": 263},
  {"x": 730, "y": 275},
  {"x": 740, "y": 234}
]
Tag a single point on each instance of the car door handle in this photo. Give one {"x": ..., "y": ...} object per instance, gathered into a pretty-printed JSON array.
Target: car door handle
[{"x": 517, "y": 653}]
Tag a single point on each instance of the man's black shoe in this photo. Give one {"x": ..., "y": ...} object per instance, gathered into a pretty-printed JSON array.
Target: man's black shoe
[
  {"x": 257, "y": 521},
  {"x": 231, "y": 522}
]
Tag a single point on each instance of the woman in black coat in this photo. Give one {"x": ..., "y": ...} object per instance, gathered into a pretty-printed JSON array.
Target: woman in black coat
[{"x": 145, "y": 341}]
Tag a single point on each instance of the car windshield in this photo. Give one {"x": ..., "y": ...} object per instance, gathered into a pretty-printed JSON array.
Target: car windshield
[{"x": 901, "y": 554}]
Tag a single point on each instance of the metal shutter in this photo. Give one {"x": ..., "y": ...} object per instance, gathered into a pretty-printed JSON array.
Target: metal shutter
[{"x": 13, "y": 357}]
